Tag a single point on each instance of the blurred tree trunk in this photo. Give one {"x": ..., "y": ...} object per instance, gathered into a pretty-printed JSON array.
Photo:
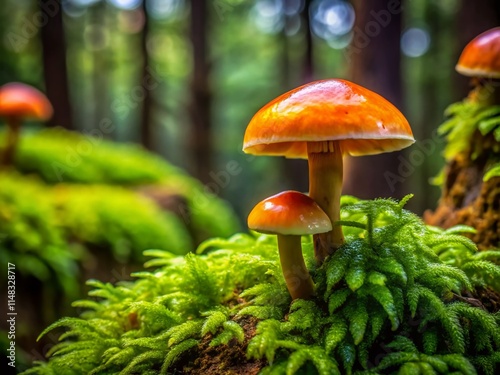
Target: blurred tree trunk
[
  {"x": 430, "y": 84},
  {"x": 374, "y": 58},
  {"x": 101, "y": 69},
  {"x": 474, "y": 17},
  {"x": 308, "y": 62},
  {"x": 296, "y": 169},
  {"x": 200, "y": 140},
  {"x": 147, "y": 104},
  {"x": 284, "y": 57},
  {"x": 54, "y": 63}
]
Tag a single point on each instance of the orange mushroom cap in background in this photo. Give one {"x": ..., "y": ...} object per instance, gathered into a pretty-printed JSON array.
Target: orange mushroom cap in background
[
  {"x": 24, "y": 101},
  {"x": 328, "y": 110},
  {"x": 481, "y": 57},
  {"x": 289, "y": 213}
]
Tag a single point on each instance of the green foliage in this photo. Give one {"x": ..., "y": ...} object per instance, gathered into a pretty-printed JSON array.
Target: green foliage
[
  {"x": 385, "y": 281},
  {"x": 148, "y": 324},
  {"x": 464, "y": 119},
  {"x": 97, "y": 215},
  {"x": 48, "y": 231},
  {"x": 404, "y": 358},
  {"x": 493, "y": 171},
  {"x": 30, "y": 235},
  {"x": 58, "y": 156},
  {"x": 482, "y": 267},
  {"x": 386, "y": 302}
]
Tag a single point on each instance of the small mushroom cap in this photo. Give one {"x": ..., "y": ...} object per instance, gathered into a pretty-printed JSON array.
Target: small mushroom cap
[
  {"x": 481, "y": 57},
  {"x": 327, "y": 110},
  {"x": 289, "y": 213},
  {"x": 24, "y": 101}
]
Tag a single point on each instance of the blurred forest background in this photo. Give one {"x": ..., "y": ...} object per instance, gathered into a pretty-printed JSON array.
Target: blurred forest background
[{"x": 184, "y": 77}]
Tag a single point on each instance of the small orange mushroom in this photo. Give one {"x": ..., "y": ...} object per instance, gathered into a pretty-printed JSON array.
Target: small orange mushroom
[
  {"x": 481, "y": 57},
  {"x": 320, "y": 121},
  {"x": 290, "y": 215},
  {"x": 21, "y": 102},
  {"x": 480, "y": 60}
]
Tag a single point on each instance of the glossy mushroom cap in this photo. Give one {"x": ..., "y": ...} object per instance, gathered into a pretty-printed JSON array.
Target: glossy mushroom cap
[
  {"x": 289, "y": 213},
  {"x": 24, "y": 101},
  {"x": 481, "y": 57},
  {"x": 327, "y": 110}
]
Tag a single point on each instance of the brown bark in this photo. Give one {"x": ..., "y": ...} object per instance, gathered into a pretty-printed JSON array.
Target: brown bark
[
  {"x": 200, "y": 141},
  {"x": 374, "y": 58},
  {"x": 467, "y": 199},
  {"x": 54, "y": 63}
]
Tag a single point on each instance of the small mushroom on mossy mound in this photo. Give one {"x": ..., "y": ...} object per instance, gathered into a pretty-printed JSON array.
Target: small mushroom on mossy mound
[
  {"x": 290, "y": 215},
  {"x": 20, "y": 102},
  {"x": 321, "y": 121},
  {"x": 480, "y": 59}
]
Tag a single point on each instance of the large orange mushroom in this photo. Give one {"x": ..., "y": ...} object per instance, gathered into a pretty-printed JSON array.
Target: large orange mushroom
[
  {"x": 321, "y": 121},
  {"x": 290, "y": 215},
  {"x": 18, "y": 102}
]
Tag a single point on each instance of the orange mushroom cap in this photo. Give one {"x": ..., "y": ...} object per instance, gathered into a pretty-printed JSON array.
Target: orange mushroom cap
[
  {"x": 289, "y": 213},
  {"x": 481, "y": 57},
  {"x": 24, "y": 101},
  {"x": 327, "y": 110}
]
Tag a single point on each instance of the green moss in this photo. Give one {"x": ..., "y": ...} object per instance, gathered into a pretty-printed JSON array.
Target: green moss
[
  {"x": 465, "y": 118},
  {"x": 46, "y": 230},
  {"x": 385, "y": 303},
  {"x": 493, "y": 171},
  {"x": 59, "y": 156},
  {"x": 30, "y": 236}
]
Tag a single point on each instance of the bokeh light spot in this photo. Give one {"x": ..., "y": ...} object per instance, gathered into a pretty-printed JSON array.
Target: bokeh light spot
[{"x": 415, "y": 42}]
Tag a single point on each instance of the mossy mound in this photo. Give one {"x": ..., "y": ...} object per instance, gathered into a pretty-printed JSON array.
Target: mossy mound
[
  {"x": 73, "y": 207},
  {"x": 391, "y": 299},
  {"x": 58, "y": 236},
  {"x": 471, "y": 180},
  {"x": 60, "y": 156},
  {"x": 43, "y": 227}
]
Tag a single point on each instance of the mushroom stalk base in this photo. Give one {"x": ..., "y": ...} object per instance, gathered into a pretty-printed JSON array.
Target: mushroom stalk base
[
  {"x": 298, "y": 280},
  {"x": 14, "y": 127},
  {"x": 484, "y": 92},
  {"x": 325, "y": 187}
]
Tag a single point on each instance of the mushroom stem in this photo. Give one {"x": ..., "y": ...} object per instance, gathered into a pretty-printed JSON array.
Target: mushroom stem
[
  {"x": 325, "y": 187},
  {"x": 484, "y": 92},
  {"x": 14, "y": 125},
  {"x": 298, "y": 280}
]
